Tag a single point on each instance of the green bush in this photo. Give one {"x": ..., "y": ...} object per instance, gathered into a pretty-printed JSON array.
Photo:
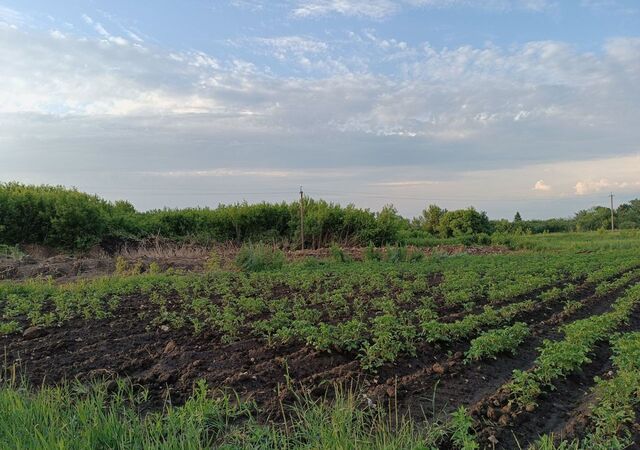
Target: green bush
[
  {"x": 337, "y": 254},
  {"x": 257, "y": 258},
  {"x": 66, "y": 218},
  {"x": 371, "y": 253},
  {"x": 51, "y": 216},
  {"x": 464, "y": 222},
  {"x": 396, "y": 254}
]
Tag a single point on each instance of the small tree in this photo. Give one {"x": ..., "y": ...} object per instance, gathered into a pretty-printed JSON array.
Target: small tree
[
  {"x": 464, "y": 222},
  {"x": 388, "y": 224},
  {"x": 430, "y": 218},
  {"x": 593, "y": 219}
]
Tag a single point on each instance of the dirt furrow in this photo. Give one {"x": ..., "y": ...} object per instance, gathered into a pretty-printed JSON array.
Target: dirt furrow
[
  {"x": 556, "y": 408},
  {"x": 455, "y": 383}
]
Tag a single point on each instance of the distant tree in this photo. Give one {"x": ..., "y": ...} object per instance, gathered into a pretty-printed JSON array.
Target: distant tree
[
  {"x": 501, "y": 226},
  {"x": 629, "y": 214},
  {"x": 389, "y": 223},
  {"x": 517, "y": 218},
  {"x": 430, "y": 218},
  {"x": 549, "y": 225},
  {"x": 464, "y": 222},
  {"x": 593, "y": 218}
]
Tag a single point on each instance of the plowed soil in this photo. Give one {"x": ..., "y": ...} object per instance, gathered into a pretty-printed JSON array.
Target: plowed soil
[{"x": 168, "y": 363}]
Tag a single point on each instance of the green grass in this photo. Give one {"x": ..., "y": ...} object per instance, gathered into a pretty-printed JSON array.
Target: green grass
[
  {"x": 11, "y": 251},
  {"x": 259, "y": 257},
  {"x": 103, "y": 416}
]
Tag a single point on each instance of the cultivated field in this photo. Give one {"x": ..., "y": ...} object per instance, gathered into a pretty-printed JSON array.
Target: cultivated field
[{"x": 534, "y": 345}]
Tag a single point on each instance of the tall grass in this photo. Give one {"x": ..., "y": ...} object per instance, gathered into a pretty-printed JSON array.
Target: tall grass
[
  {"x": 76, "y": 417},
  {"x": 259, "y": 257},
  {"x": 11, "y": 251},
  {"x": 104, "y": 416}
]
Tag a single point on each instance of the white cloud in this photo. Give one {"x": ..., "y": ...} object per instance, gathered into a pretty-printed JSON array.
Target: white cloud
[
  {"x": 609, "y": 7},
  {"x": 374, "y": 9},
  {"x": 250, "y": 5},
  {"x": 283, "y": 47},
  {"x": 500, "y": 5},
  {"x": 541, "y": 186},
  {"x": 118, "y": 40},
  {"x": 538, "y": 89},
  {"x": 379, "y": 9},
  {"x": 248, "y": 173},
  {"x": 11, "y": 16},
  {"x": 589, "y": 187},
  {"x": 57, "y": 34},
  {"x": 593, "y": 186},
  {"x": 567, "y": 179},
  {"x": 544, "y": 111},
  {"x": 134, "y": 36}
]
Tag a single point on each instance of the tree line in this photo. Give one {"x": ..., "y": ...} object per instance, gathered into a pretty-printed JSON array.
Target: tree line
[{"x": 66, "y": 218}]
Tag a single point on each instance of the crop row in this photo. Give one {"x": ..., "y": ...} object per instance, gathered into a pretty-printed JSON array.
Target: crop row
[
  {"x": 377, "y": 310},
  {"x": 616, "y": 399},
  {"x": 496, "y": 341},
  {"x": 557, "y": 359}
]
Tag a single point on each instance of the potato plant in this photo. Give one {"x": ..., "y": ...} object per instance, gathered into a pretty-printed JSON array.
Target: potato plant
[
  {"x": 494, "y": 342},
  {"x": 380, "y": 309},
  {"x": 616, "y": 400},
  {"x": 557, "y": 359}
]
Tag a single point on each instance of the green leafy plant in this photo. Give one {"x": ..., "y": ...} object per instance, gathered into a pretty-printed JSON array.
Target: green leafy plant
[
  {"x": 256, "y": 258},
  {"x": 337, "y": 254},
  {"x": 494, "y": 342},
  {"x": 391, "y": 335},
  {"x": 9, "y": 327},
  {"x": 461, "y": 427},
  {"x": 371, "y": 253},
  {"x": 524, "y": 388}
]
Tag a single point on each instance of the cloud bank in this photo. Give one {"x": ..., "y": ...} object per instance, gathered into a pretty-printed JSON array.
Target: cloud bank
[{"x": 113, "y": 102}]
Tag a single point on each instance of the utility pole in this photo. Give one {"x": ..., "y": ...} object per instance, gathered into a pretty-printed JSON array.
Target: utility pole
[
  {"x": 301, "y": 218},
  {"x": 611, "y": 197}
]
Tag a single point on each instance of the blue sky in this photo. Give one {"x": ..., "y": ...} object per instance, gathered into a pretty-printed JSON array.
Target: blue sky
[{"x": 507, "y": 105}]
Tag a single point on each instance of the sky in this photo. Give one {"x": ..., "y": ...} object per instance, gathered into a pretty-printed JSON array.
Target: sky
[{"x": 506, "y": 105}]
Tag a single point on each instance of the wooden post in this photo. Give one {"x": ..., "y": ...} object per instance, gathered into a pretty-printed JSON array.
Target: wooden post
[
  {"x": 301, "y": 218},
  {"x": 611, "y": 196}
]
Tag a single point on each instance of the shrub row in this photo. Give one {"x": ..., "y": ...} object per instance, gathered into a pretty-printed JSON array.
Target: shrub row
[{"x": 66, "y": 218}]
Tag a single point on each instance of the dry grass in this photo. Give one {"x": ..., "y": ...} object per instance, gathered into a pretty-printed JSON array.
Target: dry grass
[{"x": 162, "y": 249}]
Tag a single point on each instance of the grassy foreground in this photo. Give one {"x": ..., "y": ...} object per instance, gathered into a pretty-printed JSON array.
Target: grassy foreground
[{"x": 110, "y": 416}]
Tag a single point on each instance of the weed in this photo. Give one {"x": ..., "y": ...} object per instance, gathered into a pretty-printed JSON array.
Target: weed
[
  {"x": 257, "y": 258},
  {"x": 337, "y": 254}
]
